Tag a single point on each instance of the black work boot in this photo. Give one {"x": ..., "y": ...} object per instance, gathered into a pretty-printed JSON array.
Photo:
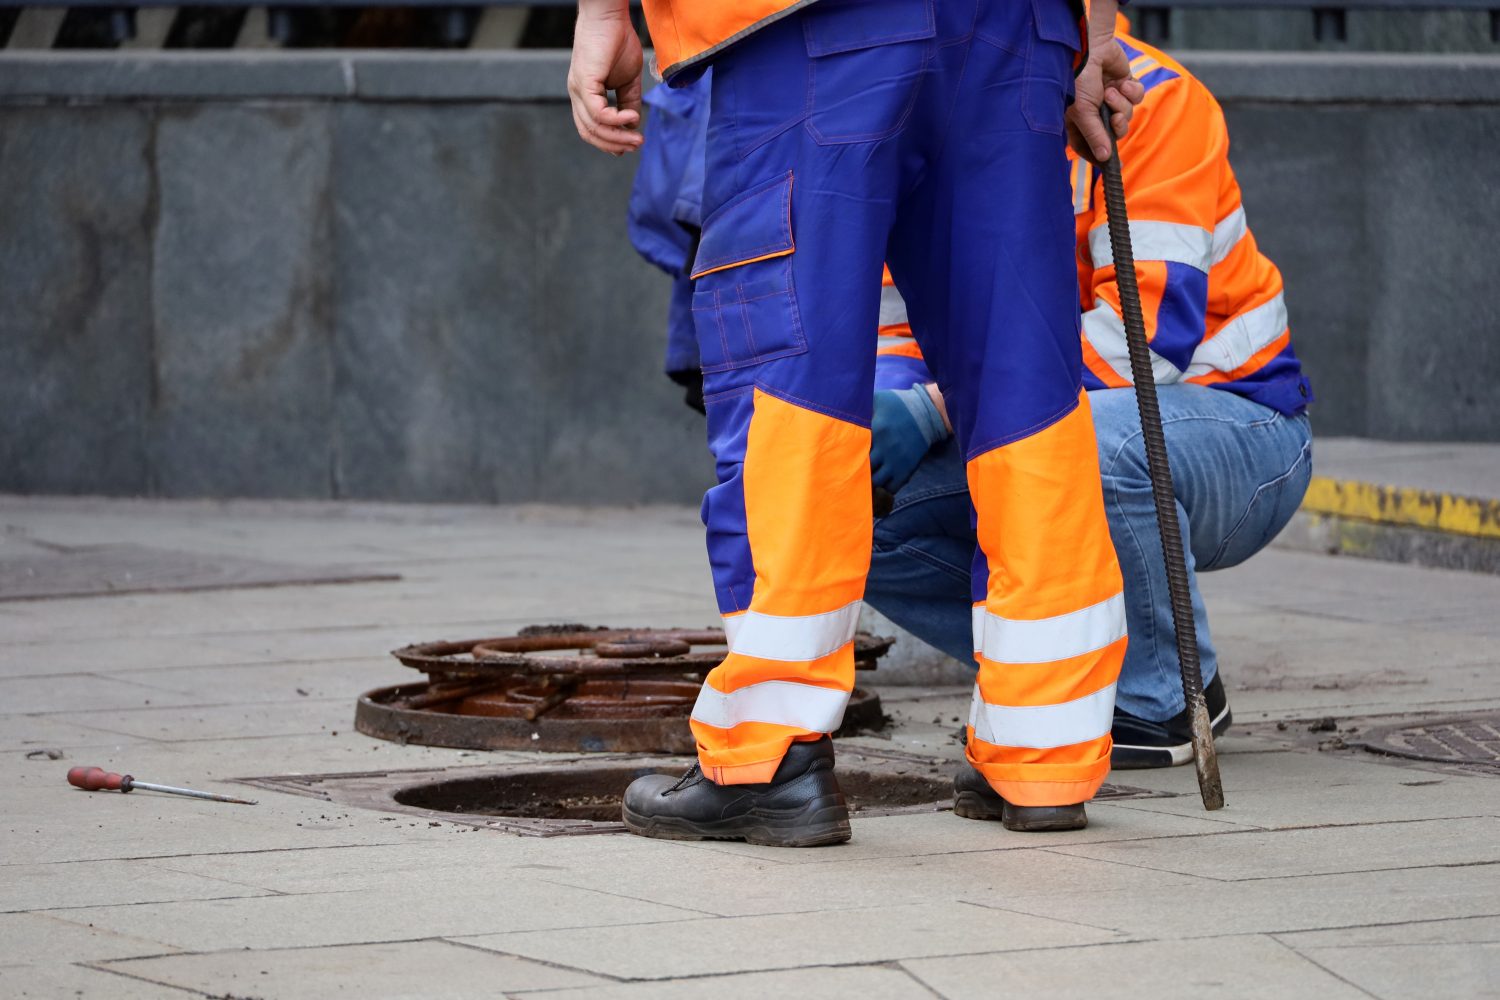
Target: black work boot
[
  {"x": 1141, "y": 743},
  {"x": 801, "y": 806},
  {"x": 973, "y": 798}
]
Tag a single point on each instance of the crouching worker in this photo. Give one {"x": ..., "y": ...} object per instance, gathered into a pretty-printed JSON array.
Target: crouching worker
[{"x": 1233, "y": 402}]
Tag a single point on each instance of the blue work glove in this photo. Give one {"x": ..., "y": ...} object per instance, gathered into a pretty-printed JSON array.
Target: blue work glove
[{"x": 905, "y": 425}]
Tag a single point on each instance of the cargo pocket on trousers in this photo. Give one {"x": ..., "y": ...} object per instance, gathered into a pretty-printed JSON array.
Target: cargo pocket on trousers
[
  {"x": 745, "y": 302},
  {"x": 868, "y": 58},
  {"x": 1047, "y": 89}
]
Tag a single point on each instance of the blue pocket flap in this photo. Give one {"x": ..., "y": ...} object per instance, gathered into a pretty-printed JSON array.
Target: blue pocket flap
[
  {"x": 831, "y": 26},
  {"x": 752, "y": 226},
  {"x": 1059, "y": 21}
]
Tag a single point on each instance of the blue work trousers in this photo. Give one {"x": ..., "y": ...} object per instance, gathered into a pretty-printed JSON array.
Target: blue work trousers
[
  {"x": 1239, "y": 471},
  {"x": 928, "y": 134}
]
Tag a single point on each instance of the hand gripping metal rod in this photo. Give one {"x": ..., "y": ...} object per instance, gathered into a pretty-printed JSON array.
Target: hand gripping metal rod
[{"x": 1204, "y": 755}]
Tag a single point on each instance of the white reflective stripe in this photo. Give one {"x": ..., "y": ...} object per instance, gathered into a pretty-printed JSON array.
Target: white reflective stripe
[
  {"x": 1228, "y": 233},
  {"x": 784, "y": 703},
  {"x": 1171, "y": 241},
  {"x": 805, "y": 637},
  {"x": 1241, "y": 339},
  {"x": 892, "y": 306},
  {"x": 978, "y": 625},
  {"x": 1105, "y": 331},
  {"x": 1042, "y": 727},
  {"x": 1083, "y": 179},
  {"x": 1043, "y": 640}
]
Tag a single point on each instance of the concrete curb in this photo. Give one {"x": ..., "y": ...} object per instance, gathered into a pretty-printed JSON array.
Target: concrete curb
[{"x": 1396, "y": 524}]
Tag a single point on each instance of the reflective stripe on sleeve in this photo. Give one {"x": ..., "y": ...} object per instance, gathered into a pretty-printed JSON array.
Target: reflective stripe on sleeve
[
  {"x": 1228, "y": 233},
  {"x": 799, "y": 638},
  {"x": 783, "y": 703},
  {"x": 1042, "y": 727},
  {"x": 1005, "y": 640},
  {"x": 892, "y": 306},
  {"x": 1174, "y": 241},
  {"x": 1241, "y": 339},
  {"x": 1105, "y": 330}
]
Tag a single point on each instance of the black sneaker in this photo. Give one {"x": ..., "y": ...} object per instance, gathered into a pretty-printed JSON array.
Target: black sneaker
[
  {"x": 974, "y": 798},
  {"x": 1140, "y": 743},
  {"x": 801, "y": 806}
]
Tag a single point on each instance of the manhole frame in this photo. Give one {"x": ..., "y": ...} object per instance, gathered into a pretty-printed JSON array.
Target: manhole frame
[{"x": 376, "y": 790}]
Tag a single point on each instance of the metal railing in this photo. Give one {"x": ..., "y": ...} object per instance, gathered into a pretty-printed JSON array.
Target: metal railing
[{"x": 456, "y": 22}]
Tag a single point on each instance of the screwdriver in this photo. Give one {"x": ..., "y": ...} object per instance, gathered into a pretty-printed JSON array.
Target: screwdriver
[{"x": 94, "y": 779}]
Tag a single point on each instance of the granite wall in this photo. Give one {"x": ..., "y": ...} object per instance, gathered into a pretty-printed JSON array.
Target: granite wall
[{"x": 382, "y": 275}]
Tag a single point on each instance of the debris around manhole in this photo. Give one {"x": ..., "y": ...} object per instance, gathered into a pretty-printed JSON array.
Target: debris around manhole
[
  {"x": 568, "y": 687},
  {"x": 1472, "y": 741},
  {"x": 1327, "y": 724}
]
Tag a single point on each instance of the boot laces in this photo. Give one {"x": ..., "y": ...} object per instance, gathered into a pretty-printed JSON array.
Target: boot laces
[{"x": 692, "y": 777}]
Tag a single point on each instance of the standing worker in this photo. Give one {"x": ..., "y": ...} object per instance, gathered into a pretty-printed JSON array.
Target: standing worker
[
  {"x": 1233, "y": 404},
  {"x": 843, "y": 133}
]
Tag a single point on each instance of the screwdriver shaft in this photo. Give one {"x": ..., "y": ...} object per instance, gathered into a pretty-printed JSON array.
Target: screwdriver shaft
[{"x": 189, "y": 791}]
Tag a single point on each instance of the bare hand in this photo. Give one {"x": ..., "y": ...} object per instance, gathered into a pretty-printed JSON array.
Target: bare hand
[
  {"x": 606, "y": 57},
  {"x": 1105, "y": 80}
]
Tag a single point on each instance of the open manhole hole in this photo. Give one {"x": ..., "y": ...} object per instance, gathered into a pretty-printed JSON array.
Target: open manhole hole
[
  {"x": 594, "y": 793},
  {"x": 582, "y": 795},
  {"x": 1472, "y": 741}
]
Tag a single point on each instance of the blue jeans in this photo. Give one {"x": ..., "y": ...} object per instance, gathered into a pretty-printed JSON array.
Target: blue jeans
[{"x": 1239, "y": 471}]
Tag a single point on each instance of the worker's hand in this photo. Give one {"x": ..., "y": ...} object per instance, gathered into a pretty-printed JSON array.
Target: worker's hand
[
  {"x": 1104, "y": 80},
  {"x": 906, "y": 423},
  {"x": 606, "y": 56}
]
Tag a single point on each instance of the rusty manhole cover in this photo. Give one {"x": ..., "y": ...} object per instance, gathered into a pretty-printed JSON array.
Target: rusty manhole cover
[
  {"x": 567, "y": 688},
  {"x": 1468, "y": 740}
]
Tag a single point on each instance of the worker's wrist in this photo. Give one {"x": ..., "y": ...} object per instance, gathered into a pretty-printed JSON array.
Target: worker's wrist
[{"x": 925, "y": 412}]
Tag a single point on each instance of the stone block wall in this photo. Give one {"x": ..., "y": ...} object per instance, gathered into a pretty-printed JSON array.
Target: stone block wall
[{"x": 384, "y": 275}]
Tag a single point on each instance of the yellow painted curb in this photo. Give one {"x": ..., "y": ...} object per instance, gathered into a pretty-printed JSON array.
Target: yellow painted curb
[{"x": 1396, "y": 505}]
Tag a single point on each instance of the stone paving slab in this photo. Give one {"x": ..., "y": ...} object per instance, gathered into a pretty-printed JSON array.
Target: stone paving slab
[
  {"x": 865, "y": 982},
  {"x": 1243, "y": 967},
  {"x": 406, "y": 970},
  {"x": 45, "y": 938},
  {"x": 1320, "y": 851},
  {"x": 789, "y": 940},
  {"x": 1274, "y": 905},
  {"x": 52, "y": 980},
  {"x": 1277, "y": 879},
  {"x": 42, "y": 888}
]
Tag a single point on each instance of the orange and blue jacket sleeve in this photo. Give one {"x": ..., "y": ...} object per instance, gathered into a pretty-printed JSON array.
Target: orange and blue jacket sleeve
[
  {"x": 898, "y": 360},
  {"x": 1172, "y": 162}
]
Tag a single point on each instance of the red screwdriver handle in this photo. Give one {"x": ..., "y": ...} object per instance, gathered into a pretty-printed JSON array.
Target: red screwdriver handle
[{"x": 95, "y": 779}]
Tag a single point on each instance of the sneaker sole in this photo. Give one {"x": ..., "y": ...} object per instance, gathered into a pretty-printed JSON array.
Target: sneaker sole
[
  {"x": 821, "y": 822},
  {"x": 1130, "y": 757}
]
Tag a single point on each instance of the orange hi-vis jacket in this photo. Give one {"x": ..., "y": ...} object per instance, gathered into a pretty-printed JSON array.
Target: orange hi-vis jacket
[
  {"x": 685, "y": 32},
  {"x": 1212, "y": 301}
]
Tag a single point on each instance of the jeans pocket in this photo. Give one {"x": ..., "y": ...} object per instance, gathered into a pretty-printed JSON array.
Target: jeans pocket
[
  {"x": 1268, "y": 512},
  {"x": 745, "y": 301},
  {"x": 867, "y": 59}
]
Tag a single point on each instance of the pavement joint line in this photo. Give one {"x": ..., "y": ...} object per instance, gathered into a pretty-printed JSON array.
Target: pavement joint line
[
  {"x": 1360, "y": 871},
  {"x": 460, "y": 943},
  {"x": 98, "y": 967},
  {"x": 1314, "y": 962},
  {"x": 621, "y": 895},
  {"x": 159, "y": 902},
  {"x": 1033, "y": 916},
  {"x": 203, "y": 854},
  {"x": 913, "y": 977},
  {"x": 1447, "y": 513}
]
